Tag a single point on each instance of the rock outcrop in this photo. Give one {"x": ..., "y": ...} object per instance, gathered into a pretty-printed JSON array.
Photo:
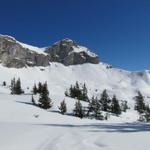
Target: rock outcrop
[
  {"x": 13, "y": 54},
  {"x": 16, "y": 54},
  {"x": 68, "y": 53}
]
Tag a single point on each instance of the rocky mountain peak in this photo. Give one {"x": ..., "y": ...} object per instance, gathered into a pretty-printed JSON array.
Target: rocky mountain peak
[{"x": 66, "y": 51}]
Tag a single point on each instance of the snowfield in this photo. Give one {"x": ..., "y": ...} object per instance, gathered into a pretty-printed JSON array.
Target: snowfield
[
  {"x": 20, "y": 129},
  {"x": 24, "y": 126}
]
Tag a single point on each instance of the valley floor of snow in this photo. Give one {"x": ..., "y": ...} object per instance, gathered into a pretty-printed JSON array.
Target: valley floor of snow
[
  {"x": 24, "y": 126},
  {"x": 21, "y": 129}
]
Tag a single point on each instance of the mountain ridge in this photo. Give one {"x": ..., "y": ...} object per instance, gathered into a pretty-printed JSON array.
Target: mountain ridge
[{"x": 17, "y": 54}]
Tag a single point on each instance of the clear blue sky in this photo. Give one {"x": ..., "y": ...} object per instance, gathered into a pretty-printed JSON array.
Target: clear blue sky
[{"x": 117, "y": 30}]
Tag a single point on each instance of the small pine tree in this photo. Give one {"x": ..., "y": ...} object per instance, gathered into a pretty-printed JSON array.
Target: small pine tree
[
  {"x": 12, "y": 86},
  {"x": 77, "y": 92},
  {"x": 35, "y": 90},
  {"x": 4, "y": 83},
  {"x": 115, "y": 107},
  {"x": 105, "y": 101},
  {"x": 44, "y": 101},
  {"x": 15, "y": 87},
  {"x": 139, "y": 103},
  {"x": 78, "y": 111},
  {"x": 66, "y": 93},
  {"x": 95, "y": 109},
  {"x": 84, "y": 92},
  {"x": 33, "y": 101},
  {"x": 39, "y": 87},
  {"x": 63, "y": 107},
  {"x": 18, "y": 89},
  {"x": 147, "y": 114}
]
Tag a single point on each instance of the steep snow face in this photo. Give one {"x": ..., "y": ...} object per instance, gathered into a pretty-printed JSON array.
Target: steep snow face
[
  {"x": 33, "y": 48},
  {"x": 79, "y": 49},
  {"x": 124, "y": 84}
]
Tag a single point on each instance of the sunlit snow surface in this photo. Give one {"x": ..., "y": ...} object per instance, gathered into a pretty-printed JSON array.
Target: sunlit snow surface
[{"x": 20, "y": 129}]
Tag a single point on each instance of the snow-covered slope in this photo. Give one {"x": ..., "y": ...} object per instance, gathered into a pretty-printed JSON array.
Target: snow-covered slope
[
  {"x": 21, "y": 129},
  {"x": 123, "y": 83},
  {"x": 33, "y": 48},
  {"x": 27, "y": 127}
]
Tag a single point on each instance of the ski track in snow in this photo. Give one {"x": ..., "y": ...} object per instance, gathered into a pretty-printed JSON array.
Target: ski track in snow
[{"x": 40, "y": 137}]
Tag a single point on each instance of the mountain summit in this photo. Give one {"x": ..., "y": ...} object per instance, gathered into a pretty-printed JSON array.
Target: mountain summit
[{"x": 16, "y": 54}]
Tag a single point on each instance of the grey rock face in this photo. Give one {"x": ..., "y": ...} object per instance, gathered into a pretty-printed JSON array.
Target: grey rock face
[
  {"x": 64, "y": 52},
  {"x": 12, "y": 54}
]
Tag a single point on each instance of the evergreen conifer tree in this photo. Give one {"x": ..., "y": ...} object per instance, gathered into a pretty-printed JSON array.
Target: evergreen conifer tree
[
  {"x": 147, "y": 113},
  {"x": 115, "y": 107},
  {"x": 139, "y": 103},
  {"x": 44, "y": 101},
  {"x": 83, "y": 95},
  {"x": 35, "y": 90},
  {"x": 40, "y": 87},
  {"x": 78, "y": 111},
  {"x": 105, "y": 101},
  {"x": 18, "y": 89},
  {"x": 16, "y": 86},
  {"x": 95, "y": 109},
  {"x": 63, "y": 107},
  {"x": 33, "y": 101},
  {"x": 12, "y": 86},
  {"x": 4, "y": 83}
]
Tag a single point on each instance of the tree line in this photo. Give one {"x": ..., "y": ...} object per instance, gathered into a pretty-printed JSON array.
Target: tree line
[{"x": 96, "y": 106}]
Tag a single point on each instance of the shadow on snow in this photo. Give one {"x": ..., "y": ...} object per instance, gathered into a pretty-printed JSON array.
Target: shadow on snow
[{"x": 101, "y": 127}]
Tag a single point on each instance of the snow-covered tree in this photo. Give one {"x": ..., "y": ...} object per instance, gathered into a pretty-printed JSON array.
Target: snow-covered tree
[{"x": 35, "y": 90}]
